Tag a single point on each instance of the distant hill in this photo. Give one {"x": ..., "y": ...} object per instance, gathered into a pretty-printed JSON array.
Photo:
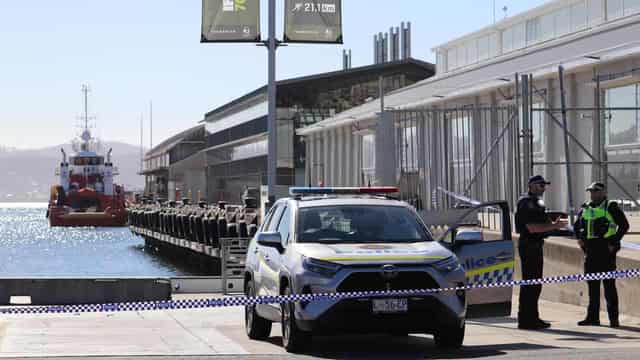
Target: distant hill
[{"x": 27, "y": 175}]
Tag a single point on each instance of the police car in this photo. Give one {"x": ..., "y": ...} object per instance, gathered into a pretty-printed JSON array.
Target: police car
[{"x": 325, "y": 240}]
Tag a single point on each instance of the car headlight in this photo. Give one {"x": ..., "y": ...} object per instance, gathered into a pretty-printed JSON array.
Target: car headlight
[
  {"x": 325, "y": 268},
  {"x": 446, "y": 265}
]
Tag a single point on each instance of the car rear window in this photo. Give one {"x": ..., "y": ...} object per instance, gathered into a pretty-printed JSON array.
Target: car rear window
[{"x": 361, "y": 223}]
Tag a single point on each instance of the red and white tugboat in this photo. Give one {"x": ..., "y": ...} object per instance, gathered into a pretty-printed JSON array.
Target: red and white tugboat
[{"x": 86, "y": 194}]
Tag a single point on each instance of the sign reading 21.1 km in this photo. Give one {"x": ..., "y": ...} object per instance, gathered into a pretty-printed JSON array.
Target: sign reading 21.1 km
[{"x": 312, "y": 21}]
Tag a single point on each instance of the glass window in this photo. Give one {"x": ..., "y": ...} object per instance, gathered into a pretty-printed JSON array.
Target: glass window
[
  {"x": 534, "y": 32},
  {"x": 247, "y": 151},
  {"x": 275, "y": 219},
  {"x": 547, "y": 27},
  {"x": 368, "y": 157},
  {"x": 578, "y": 16},
  {"x": 622, "y": 125},
  {"x": 537, "y": 124},
  {"x": 614, "y": 9},
  {"x": 494, "y": 44},
  {"x": 284, "y": 226},
  {"x": 462, "y": 151},
  {"x": 595, "y": 12},
  {"x": 452, "y": 59},
  {"x": 441, "y": 62},
  {"x": 360, "y": 223},
  {"x": 462, "y": 55},
  {"x": 519, "y": 36},
  {"x": 267, "y": 219},
  {"x": 507, "y": 40},
  {"x": 483, "y": 48},
  {"x": 562, "y": 22},
  {"x": 631, "y": 7},
  {"x": 472, "y": 52},
  {"x": 408, "y": 148}
]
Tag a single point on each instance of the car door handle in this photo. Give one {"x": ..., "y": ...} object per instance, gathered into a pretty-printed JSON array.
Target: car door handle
[{"x": 504, "y": 257}]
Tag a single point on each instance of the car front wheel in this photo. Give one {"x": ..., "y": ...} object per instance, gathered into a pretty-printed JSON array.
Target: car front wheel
[
  {"x": 450, "y": 337},
  {"x": 257, "y": 328},
  {"x": 293, "y": 339}
]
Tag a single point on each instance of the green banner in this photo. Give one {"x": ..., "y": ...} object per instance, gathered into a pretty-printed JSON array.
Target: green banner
[
  {"x": 313, "y": 21},
  {"x": 230, "y": 21}
]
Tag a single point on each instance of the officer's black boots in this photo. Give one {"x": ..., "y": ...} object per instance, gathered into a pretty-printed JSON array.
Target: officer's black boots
[
  {"x": 533, "y": 325},
  {"x": 589, "y": 322}
]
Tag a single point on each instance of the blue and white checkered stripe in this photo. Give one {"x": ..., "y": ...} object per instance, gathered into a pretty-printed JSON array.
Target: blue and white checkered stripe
[
  {"x": 243, "y": 300},
  {"x": 492, "y": 277}
]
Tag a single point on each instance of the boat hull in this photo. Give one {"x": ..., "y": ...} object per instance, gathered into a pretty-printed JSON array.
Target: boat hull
[{"x": 61, "y": 216}]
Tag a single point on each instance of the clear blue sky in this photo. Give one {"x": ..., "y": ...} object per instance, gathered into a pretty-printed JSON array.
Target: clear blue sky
[{"x": 134, "y": 51}]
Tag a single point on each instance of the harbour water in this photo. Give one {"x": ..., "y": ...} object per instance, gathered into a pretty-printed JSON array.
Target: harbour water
[{"x": 30, "y": 248}]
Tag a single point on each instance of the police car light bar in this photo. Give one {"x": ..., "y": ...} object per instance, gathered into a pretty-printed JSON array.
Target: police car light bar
[{"x": 342, "y": 190}]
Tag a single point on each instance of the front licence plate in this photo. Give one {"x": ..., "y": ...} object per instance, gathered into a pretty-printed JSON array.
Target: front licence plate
[{"x": 390, "y": 305}]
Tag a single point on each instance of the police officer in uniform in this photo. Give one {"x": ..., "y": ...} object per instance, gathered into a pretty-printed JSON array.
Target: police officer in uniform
[
  {"x": 599, "y": 228},
  {"x": 533, "y": 224}
]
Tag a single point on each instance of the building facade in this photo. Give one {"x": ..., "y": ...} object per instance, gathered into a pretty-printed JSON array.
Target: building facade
[
  {"x": 236, "y": 153},
  {"x": 479, "y": 128},
  {"x": 168, "y": 167}
]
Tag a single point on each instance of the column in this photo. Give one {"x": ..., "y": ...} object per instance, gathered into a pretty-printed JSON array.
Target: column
[
  {"x": 385, "y": 150},
  {"x": 326, "y": 162},
  {"x": 341, "y": 157},
  {"x": 348, "y": 158}
]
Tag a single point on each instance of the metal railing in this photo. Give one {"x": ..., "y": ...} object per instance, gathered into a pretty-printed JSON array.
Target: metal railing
[{"x": 233, "y": 255}]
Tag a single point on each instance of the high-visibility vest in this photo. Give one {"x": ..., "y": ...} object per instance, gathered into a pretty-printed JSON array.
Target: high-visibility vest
[{"x": 591, "y": 214}]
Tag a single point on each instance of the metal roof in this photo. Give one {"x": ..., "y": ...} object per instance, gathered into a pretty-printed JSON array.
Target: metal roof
[
  {"x": 169, "y": 143},
  {"x": 543, "y": 61},
  {"x": 332, "y": 74}
]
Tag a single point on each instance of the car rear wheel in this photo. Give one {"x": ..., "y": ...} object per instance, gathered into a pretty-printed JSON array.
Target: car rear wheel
[
  {"x": 450, "y": 337},
  {"x": 293, "y": 339},
  {"x": 257, "y": 328}
]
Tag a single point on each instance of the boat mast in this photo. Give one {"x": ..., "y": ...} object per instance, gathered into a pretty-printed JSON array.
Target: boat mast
[
  {"x": 86, "y": 134},
  {"x": 85, "y": 91}
]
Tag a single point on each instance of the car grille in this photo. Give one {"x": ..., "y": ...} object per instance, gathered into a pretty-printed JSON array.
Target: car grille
[{"x": 373, "y": 281}]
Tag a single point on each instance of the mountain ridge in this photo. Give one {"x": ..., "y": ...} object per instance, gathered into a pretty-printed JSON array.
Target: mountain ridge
[{"x": 28, "y": 174}]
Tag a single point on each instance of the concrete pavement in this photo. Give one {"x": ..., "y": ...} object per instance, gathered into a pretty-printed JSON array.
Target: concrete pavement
[{"x": 217, "y": 332}]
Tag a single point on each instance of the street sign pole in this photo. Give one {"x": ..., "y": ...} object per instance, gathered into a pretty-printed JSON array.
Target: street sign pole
[{"x": 272, "y": 126}]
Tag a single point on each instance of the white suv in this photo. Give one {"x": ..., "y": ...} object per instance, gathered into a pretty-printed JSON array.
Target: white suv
[{"x": 326, "y": 240}]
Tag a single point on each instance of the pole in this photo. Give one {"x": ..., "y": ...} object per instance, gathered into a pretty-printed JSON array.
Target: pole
[
  {"x": 566, "y": 142},
  {"x": 150, "y": 125},
  {"x": 85, "y": 90},
  {"x": 272, "y": 157},
  {"x": 381, "y": 93},
  {"x": 141, "y": 145},
  {"x": 494, "y": 11}
]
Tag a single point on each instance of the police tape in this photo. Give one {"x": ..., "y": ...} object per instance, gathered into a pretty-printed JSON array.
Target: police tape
[{"x": 282, "y": 299}]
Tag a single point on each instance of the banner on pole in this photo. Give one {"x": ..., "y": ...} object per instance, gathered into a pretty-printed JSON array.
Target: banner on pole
[
  {"x": 230, "y": 21},
  {"x": 313, "y": 21}
]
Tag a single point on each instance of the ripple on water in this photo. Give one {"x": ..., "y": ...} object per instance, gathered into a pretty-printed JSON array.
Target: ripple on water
[{"x": 30, "y": 247}]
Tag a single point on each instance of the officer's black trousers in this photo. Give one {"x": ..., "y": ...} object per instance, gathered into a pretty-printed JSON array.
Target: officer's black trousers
[
  {"x": 531, "y": 261},
  {"x": 601, "y": 260}
]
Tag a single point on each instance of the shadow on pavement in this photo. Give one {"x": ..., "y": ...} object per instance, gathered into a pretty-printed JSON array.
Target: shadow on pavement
[
  {"x": 497, "y": 320},
  {"x": 398, "y": 347}
]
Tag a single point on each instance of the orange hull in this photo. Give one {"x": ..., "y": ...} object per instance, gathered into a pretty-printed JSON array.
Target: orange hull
[{"x": 62, "y": 216}]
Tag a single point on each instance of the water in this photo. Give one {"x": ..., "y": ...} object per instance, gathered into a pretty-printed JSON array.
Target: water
[{"x": 30, "y": 248}]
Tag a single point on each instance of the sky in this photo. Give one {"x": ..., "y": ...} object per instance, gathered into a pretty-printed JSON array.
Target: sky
[{"x": 134, "y": 53}]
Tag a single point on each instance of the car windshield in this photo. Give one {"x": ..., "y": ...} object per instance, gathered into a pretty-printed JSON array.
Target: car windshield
[{"x": 361, "y": 223}]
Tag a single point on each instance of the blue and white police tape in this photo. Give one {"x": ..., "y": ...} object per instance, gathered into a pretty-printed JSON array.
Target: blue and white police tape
[{"x": 281, "y": 299}]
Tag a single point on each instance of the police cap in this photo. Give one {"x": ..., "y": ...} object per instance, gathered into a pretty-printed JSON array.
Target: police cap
[
  {"x": 538, "y": 179},
  {"x": 596, "y": 186}
]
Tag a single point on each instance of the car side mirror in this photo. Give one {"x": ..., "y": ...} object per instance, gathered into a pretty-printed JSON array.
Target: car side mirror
[
  {"x": 468, "y": 236},
  {"x": 270, "y": 239}
]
